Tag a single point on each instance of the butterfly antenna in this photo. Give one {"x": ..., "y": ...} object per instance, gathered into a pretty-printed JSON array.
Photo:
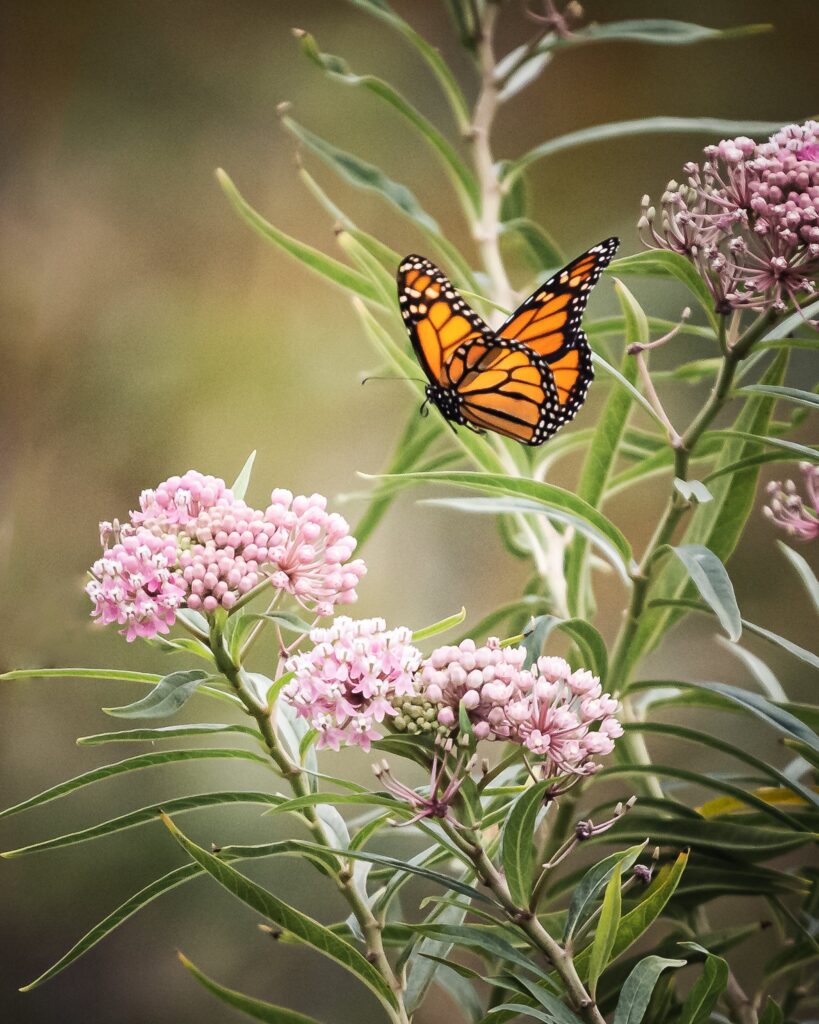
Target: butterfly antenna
[{"x": 365, "y": 380}]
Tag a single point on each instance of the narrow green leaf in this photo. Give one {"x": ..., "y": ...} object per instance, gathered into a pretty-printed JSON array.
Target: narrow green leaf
[
  {"x": 420, "y": 966},
  {"x": 586, "y": 893},
  {"x": 167, "y": 697},
  {"x": 240, "y": 484},
  {"x": 122, "y": 675},
  {"x": 428, "y": 53},
  {"x": 554, "y": 1007},
  {"x": 707, "y": 126},
  {"x": 764, "y": 709},
  {"x": 314, "y": 259},
  {"x": 659, "y": 31},
  {"x": 787, "y": 645},
  {"x": 805, "y": 572},
  {"x": 165, "y": 732},
  {"x": 521, "y": 1009},
  {"x": 808, "y": 398},
  {"x": 144, "y": 815},
  {"x": 606, "y": 931},
  {"x": 710, "y": 578},
  {"x": 131, "y": 764},
  {"x": 664, "y": 263},
  {"x": 255, "y": 1008},
  {"x": 771, "y": 1014},
  {"x": 638, "y": 987},
  {"x": 591, "y": 645},
  {"x": 508, "y": 505},
  {"x": 517, "y": 850},
  {"x": 340, "y": 71},
  {"x": 602, "y": 452},
  {"x": 471, "y": 937},
  {"x": 309, "y": 931},
  {"x": 547, "y": 495},
  {"x": 439, "y": 627},
  {"x": 638, "y": 920},
  {"x": 542, "y": 251},
  {"x": 703, "y": 997},
  {"x": 792, "y": 448}
]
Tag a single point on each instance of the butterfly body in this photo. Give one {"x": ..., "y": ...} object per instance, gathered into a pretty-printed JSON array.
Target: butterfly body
[{"x": 524, "y": 380}]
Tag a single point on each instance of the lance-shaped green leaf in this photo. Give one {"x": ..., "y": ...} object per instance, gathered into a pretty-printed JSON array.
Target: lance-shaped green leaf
[
  {"x": 305, "y": 928},
  {"x": 588, "y": 640},
  {"x": 792, "y": 448},
  {"x": 439, "y": 627},
  {"x": 709, "y": 576},
  {"x": 541, "y": 251},
  {"x": 517, "y": 849},
  {"x": 772, "y": 1013},
  {"x": 664, "y": 263},
  {"x": 258, "y": 1009},
  {"x": 601, "y": 454},
  {"x": 592, "y": 883},
  {"x": 707, "y": 989},
  {"x": 340, "y": 71},
  {"x": 486, "y": 942},
  {"x": 144, "y": 815},
  {"x": 522, "y": 1009},
  {"x": 317, "y": 261},
  {"x": 638, "y": 987},
  {"x": 548, "y": 496},
  {"x": 656, "y": 31},
  {"x": 606, "y": 930},
  {"x": 428, "y": 53},
  {"x": 805, "y": 572},
  {"x": 132, "y": 764},
  {"x": 421, "y": 965},
  {"x": 242, "y": 481},
  {"x": 706, "y": 126},
  {"x": 808, "y": 398},
  {"x": 167, "y": 697},
  {"x": 638, "y": 920},
  {"x": 362, "y": 174},
  {"x": 166, "y": 732}
]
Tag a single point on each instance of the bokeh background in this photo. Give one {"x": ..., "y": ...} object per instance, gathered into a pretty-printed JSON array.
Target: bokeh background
[{"x": 145, "y": 330}]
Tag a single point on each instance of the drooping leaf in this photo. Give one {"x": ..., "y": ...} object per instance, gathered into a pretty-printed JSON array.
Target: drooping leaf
[
  {"x": 340, "y": 71},
  {"x": 317, "y": 261},
  {"x": 472, "y": 937},
  {"x": 132, "y": 764},
  {"x": 703, "y": 996},
  {"x": 606, "y": 931},
  {"x": 258, "y": 1009},
  {"x": 664, "y": 263},
  {"x": 710, "y": 578},
  {"x": 592, "y": 883},
  {"x": 639, "y": 986},
  {"x": 591, "y": 645},
  {"x": 517, "y": 850},
  {"x": 308, "y": 930},
  {"x": 145, "y": 815},
  {"x": 168, "y": 696},
  {"x": 656, "y": 31},
  {"x": 804, "y": 571}
]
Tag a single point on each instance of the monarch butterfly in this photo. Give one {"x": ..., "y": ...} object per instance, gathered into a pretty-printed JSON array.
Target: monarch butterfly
[{"x": 524, "y": 380}]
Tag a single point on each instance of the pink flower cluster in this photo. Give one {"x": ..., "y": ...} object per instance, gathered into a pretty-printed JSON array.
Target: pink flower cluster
[
  {"x": 136, "y": 586},
  {"x": 787, "y": 510},
  {"x": 345, "y": 684},
  {"x": 218, "y": 548},
  {"x": 748, "y": 218},
  {"x": 560, "y": 715}
]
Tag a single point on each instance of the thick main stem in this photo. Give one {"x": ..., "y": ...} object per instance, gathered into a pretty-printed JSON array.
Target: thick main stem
[{"x": 369, "y": 924}]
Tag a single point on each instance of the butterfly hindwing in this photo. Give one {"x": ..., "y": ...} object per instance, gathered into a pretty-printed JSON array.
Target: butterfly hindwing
[{"x": 436, "y": 317}]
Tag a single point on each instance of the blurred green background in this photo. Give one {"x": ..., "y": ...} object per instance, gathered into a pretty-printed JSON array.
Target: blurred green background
[{"x": 145, "y": 330}]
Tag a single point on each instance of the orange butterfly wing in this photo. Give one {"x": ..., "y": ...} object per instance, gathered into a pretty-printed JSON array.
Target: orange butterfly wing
[
  {"x": 549, "y": 322},
  {"x": 436, "y": 317}
]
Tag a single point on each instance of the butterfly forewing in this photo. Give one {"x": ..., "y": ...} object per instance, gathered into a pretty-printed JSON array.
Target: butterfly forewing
[{"x": 437, "y": 318}]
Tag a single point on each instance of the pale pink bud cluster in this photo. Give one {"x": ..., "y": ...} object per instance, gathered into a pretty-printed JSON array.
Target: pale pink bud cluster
[
  {"x": 748, "y": 219},
  {"x": 311, "y": 552},
  {"x": 135, "y": 585},
  {"x": 345, "y": 684},
  {"x": 219, "y": 548},
  {"x": 560, "y": 715},
  {"x": 789, "y": 511}
]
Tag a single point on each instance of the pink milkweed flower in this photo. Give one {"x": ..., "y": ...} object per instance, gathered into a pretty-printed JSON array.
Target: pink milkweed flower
[
  {"x": 442, "y": 790},
  {"x": 748, "y": 219},
  {"x": 787, "y": 510},
  {"x": 560, "y": 715},
  {"x": 311, "y": 556},
  {"x": 135, "y": 585},
  {"x": 346, "y": 683},
  {"x": 180, "y": 499}
]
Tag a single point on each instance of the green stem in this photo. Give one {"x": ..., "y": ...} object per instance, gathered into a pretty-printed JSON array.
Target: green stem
[{"x": 343, "y": 877}]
